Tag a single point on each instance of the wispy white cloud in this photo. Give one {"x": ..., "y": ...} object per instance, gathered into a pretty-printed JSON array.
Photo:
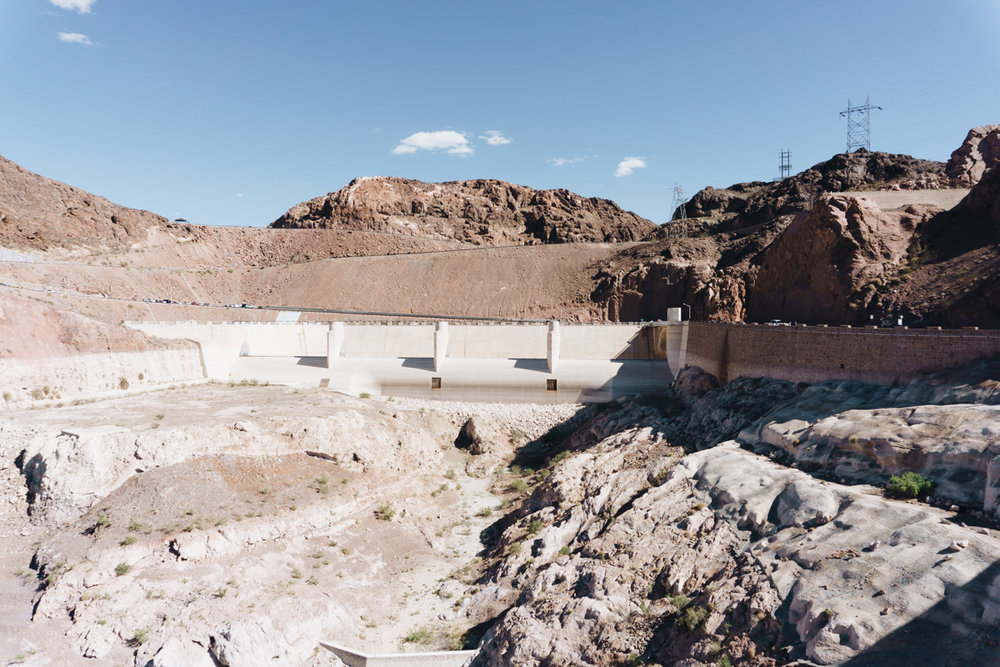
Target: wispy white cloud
[
  {"x": 629, "y": 165},
  {"x": 495, "y": 138},
  {"x": 562, "y": 161},
  {"x": 81, "y": 6},
  {"x": 449, "y": 141},
  {"x": 75, "y": 38}
]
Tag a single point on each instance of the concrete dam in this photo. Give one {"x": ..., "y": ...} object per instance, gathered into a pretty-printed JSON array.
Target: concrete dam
[
  {"x": 560, "y": 362},
  {"x": 511, "y": 362}
]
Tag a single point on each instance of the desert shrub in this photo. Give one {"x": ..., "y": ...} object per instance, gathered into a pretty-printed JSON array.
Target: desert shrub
[
  {"x": 321, "y": 485},
  {"x": 386, "y": 511},
  {"x": 122, "y": 569},
  {"x": 519, "y": 485},
  {"x": 364, "y": 394},
  {"x": 909, "y": 485},
  {"x": 140, "y": 637},
  {"x": 680, "y": 600},
  {"x": 535, "y": 527},
  {"x": 122, "y": 383},
  {"x": 418, "y": 636},
  {"x": 129, "y": 539},
  {"x": 691, "y": 617},
  {"x": 517, "y": 436}
]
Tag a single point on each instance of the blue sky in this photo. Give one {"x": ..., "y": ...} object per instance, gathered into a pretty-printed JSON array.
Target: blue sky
[{"x": 230, "y": 112}]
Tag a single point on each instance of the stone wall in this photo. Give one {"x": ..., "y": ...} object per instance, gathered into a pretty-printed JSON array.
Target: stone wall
[{"x": 816, "y": 353}]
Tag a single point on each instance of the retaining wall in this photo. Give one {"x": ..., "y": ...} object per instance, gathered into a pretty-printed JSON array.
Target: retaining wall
[
  {"x": 814, "y": 354},
  {"x": 89, "y": 374}
]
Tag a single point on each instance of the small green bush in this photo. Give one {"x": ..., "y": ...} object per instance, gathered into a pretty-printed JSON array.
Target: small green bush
[
  {"x": 386, "y": 511},
  {"x": 122, "y": 569},
  {"x": 129, "y": 539},
  {"x": 680, "y": 600},
  {"x": 691, "y": 617},
  {"x": 909, "y": 485},
  {"x": 535, "y": 527},
  {"x": 321, "y": 485},
  {"x": 519, "y": 485},
  {"x": 122, "y": 383},
  {"x": 418, "y": 636}
]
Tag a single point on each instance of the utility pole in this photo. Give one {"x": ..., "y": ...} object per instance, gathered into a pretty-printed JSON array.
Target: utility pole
[{"x": 859, "y": 127}]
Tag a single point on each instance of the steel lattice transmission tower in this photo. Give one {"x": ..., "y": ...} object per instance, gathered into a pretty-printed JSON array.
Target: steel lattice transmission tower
[
  {"x": 859, "y": 126},
  {"x": 784, "y": 164},
  {"x": 680, "y": 215}
]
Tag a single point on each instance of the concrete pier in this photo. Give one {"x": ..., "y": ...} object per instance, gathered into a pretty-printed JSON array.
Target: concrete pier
[
  {"x": 440, "y": 345},
  {"x": 552, "y": 345}
]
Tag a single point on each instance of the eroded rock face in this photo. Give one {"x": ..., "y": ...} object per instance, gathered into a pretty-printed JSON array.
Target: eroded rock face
[
  {"x": 679, "y": 561},
  {"x": 66, "y": 472},
  {"x": 811, "y": 272},
  {"x": 979, "y": 153},
  {"x": 983, "y": 200},
  {"x": 866, "y": 433},
  {"x": 39, "y": 213},
  {"x": 483, "y": 212}
]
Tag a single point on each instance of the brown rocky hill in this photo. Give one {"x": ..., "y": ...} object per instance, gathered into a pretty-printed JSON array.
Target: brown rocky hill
[
  {"x": 40, "y": 213},
  {"x": 484, "y": 212},
  {"x": 753, "y": 203},
  {"x": 797, "y": 250}
]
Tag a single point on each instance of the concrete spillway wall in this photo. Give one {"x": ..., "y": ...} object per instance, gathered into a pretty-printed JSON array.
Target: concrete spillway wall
[
  {"x": 814, "y": 354},
  {"x": 576, "y": 358},
  {"x": 227, "y": 340}
]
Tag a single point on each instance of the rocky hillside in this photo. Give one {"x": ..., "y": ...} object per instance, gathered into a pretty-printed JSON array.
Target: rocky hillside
[
  {"x": 798, "y": 250},
  {"x": 39, "y": 213},
  {"x": 746, "y": 524},
  {"x": 485, "y": 211}
]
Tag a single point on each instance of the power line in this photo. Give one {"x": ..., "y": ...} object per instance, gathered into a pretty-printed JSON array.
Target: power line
[
  {"x": 680, "y": 213},
  {"x": 784, "y": 164},
  {"x": 859, "y": 127}
]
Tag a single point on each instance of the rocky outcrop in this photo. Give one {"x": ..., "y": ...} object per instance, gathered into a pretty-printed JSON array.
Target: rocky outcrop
[
  {"x": 983, "y": 200},
  {"x": 484, "y": 212},
  {"x": 747, "y": 204},
  {"x": 39, "y": 213},
  {"x": 979, "y": 153},
  {"x": 628, "y": 554},
  {"x": 818, "y": 263}
]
